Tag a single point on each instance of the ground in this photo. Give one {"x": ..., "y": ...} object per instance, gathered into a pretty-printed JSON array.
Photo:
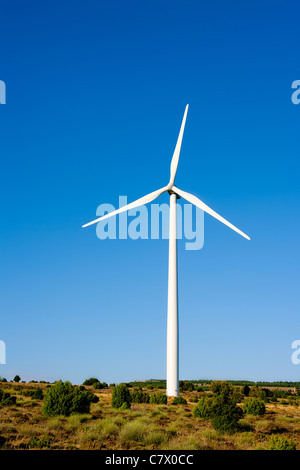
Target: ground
[{"x": 144, "y": 426}]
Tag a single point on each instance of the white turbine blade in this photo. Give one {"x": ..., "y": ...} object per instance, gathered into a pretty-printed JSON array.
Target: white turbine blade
[
  {"x": 175, "y": 158},
  {"x": 139, "y": 202},
  {"x": 197, "y": 202}
]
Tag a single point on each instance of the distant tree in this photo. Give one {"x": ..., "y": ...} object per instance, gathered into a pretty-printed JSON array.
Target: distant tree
[
  {"x": 17, "y": 378},
  {"x": 90, "y": 381}
]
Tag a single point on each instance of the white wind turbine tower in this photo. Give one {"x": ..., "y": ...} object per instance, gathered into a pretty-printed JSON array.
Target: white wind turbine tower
[{"x": 174, "y": 192}]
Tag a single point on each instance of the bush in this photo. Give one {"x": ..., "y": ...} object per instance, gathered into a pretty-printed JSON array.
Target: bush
[
  {"x": 63, "y": 398},
  {"x": 37, "y": 394},
  {"x": 203, "y": 408},
  {"x": 179, "y": 401},
  {"x": 97, "y": 385},
  {"x": 138, "y": 396},
  {"x": 259, "y": 393},
  {"x": 186, "y": 386},
  {"x": 225, "y": 414},
  {"x": 7, "y": 399},
  {"x": 121, "y": 395},
  {"x": 220, "y": 408},
  {"x": 254, "y": 406},
  {"x": 221, "y": 387},
  {"x": 91, "y": 381},
  {"x": 158, "y": 399},
  {"x": 281, "y": 443},
  {"x": 245, "y": 390}
]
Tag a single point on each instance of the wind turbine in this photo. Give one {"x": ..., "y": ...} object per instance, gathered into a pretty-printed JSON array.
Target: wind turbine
[{"x": 172, "y": 319}]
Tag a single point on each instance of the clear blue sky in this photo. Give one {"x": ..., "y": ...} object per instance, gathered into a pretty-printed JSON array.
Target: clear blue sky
[{"x": 95, "y": 97}]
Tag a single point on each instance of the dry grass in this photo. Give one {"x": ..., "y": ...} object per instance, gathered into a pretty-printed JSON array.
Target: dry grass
[{"x": 144, "y": 426}]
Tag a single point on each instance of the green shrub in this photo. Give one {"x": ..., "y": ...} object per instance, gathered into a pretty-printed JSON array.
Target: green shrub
[
  {"x": 221, "y": 408},
  {"x": 223, "y": 388},
  {"x": 179, "y": 401},
  {"x": 185, "y": 386},
  {"x": 138, "y": 396},
  {"x": 37, "y": 394},
  {"x": 273, "y": 399},
  {"x": 277, "y": 442},
  {"x": 245, "y": 390},
  {"x": 225, "y": 414},
  {"x": 63, "y": 398},
  {"x": 97, "y": 385},
  {"x": 259, "y": 393},
  {"x": 203, "y": 408},
  {"x": 158, "y": 399},
  {"x": 7, "y": 399},
  {"x": 254, "y": 406},
  {"x": 90, "y": 381},
  {"x": 121, "y": 395}
]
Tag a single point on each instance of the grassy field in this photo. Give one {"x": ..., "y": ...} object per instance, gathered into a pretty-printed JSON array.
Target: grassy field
[{"x": 144, "y": 426}]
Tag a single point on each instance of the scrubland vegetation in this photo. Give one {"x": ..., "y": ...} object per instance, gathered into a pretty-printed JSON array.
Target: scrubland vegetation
[{"x": 208, "y": 415}]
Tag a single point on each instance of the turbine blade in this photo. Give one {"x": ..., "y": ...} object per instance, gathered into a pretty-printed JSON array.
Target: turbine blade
[
  {"x": 197, "y": 202},
  {"x": 175, "y": 158},
  {"x": 139, "y": 202}
]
